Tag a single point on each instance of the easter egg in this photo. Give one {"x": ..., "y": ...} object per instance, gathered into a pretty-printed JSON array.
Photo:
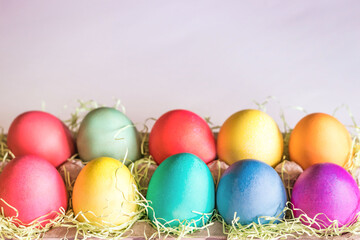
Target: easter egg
[
  {"x": 104, "y": 193},
  {"x": 251, "y": 189},
  {"x": 180, "y": 131},
  {"x": 41, "y": 134},
  {"x": 250, "y": 134},
  {"x": 107, "y": 132},
  {"x": 34, "y": 188},
  {"x": 181, "y": 190},
  {"x": 319, "y": 138},
  {"x": 329, "y": 189}
]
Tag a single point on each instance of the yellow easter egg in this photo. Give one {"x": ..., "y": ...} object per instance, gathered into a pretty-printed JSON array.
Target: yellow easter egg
[
  {"x": 250, "y": 134},
  {"x": 104, "y": 193}
]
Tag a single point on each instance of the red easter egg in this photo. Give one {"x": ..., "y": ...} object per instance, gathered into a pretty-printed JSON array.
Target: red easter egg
[
  {"x": 181, "y": 131},
  {"x": 41, "y": 134},
  {"x": 34, "y": 188}
]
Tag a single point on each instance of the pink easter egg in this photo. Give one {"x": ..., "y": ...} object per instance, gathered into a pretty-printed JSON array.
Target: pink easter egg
[
  {"x": 33, "y": 187},
  {"x": 41, "y": 134}
]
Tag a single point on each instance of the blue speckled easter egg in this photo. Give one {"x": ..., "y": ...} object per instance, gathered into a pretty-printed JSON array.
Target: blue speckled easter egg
[
  {"x": 252, "y": 189},
  {"x": 181, "y": 188}
]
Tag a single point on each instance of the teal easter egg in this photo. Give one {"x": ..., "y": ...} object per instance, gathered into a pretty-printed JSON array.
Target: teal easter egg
[
  {"x": 181, "y": 191},
  {"x": 107, "y": 132}
]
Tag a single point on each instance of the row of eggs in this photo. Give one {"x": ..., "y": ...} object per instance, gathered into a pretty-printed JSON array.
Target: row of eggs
[
  {"x": 247, "y": 134},
  {"x": 182, "y": 187}
]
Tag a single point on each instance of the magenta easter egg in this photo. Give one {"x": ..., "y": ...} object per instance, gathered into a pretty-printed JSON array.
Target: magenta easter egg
[
  {"x": 34, "y": 187},
  {"x": 329, "y": 189},
  {"x": 41, "y": 134}
]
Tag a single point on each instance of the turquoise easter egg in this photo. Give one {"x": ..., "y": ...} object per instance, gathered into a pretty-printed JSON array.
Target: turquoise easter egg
[
  {"x": 181, "y": 191},
  {"x": 107, "y": 132}
]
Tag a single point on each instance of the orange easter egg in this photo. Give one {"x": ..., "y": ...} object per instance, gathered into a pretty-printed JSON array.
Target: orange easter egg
[{"x": 319, "y": 138}]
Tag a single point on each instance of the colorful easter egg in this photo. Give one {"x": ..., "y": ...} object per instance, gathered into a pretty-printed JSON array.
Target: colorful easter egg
[
  {"x": 250, "y": 134},
  {"x": 181, "y": 131},
  {"x": 107, "y": 132},
  {"x": 34, "y": 188},
  {"x": 181, "y": 191},
  {"x": 105, "y": 193},
  {"x": 329, "y": 189},
  {"x": 250, "y": 189},
  {"x": 41, "y": 134},
  {"x": 319, "y": 138}
]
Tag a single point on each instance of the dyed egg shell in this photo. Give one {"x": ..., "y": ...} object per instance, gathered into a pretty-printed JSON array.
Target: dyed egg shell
[
  {"x": 326, "y": 188},
  {"x": 181, "y": 188},
  {"x": 319, "y": 138},
  {"x": 250, "y": 134},
  {"x": 251, "y": 189},
  {"x": 41, "y": 134},
  {"x": 104, "y": 192},
  {"x": 107, "y": 132},
  {"x": 34, "y": 187},
  {"x": 181, "y": 131}
]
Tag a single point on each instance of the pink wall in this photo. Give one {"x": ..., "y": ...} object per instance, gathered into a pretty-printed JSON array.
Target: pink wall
[{"x": 211, "y": 57}]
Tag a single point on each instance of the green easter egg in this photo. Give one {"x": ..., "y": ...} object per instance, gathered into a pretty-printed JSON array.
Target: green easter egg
[
  {"x": 107, "y": 132},
  {"x": 180, "y": 190}
]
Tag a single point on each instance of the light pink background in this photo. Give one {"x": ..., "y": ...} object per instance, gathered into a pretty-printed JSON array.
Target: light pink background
[{"x": 211, "y": 57}]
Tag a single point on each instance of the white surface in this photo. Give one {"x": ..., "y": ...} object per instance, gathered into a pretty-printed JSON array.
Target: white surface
[{"x": 211, "y": 57}]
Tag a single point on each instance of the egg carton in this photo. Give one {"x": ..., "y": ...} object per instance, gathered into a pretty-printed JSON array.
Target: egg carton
[{"x": 143, "y": 230}]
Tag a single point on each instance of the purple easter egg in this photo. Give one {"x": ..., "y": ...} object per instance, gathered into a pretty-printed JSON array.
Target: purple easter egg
[{"x": 326, "y": 188}]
